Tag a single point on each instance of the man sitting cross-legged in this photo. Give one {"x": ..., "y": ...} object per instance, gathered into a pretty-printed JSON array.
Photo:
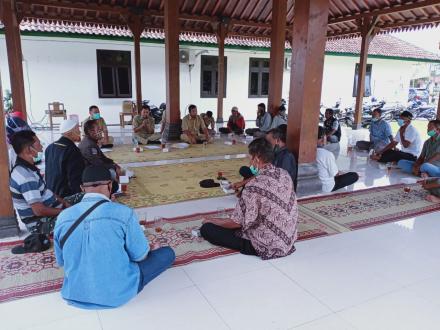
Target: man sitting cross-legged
[
  {"x": 93, "y": 154},
  {"x": 409, "y": 139},
  {"x": 380, "y": 134},
  {"x": 106, "y": 141},
  {"x": 428, "y": 163},
  {"x": 64, "y": 161},
  {"x": 36, "y": 205},
  {"x": 106, "y": 258},
  {"x": 193, "y": 127},
  {"x": 264, "y": 222},
  {"x": 143, "y": 127},
  {"x": 328, "y": 171}
]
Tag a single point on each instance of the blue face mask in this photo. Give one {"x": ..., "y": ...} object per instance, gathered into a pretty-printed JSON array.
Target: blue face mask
[
  {"x": 38, "y": 158},
  {"x": 254, "y": 170},
  {"x": 96, "y": 116},
  {"x": 375, "y": 119},
  {"x": 400, "y": 122}
]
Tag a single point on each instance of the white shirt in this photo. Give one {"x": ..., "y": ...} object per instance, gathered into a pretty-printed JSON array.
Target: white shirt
[
  {"x": 413, "y": 137},
  {"x": 327, "y": 169}
]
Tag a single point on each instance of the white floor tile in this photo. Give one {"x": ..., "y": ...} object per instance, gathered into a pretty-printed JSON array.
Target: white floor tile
[
  {"x": 172, "y": 279},
  {"x": 428, "y": 289},
  {"x": 336, "y": 279},
  {"x": 223, "y": 268},
  {"x": 401, "y": 310},
  {"x": 263, "y": 299},
  {"x": 36, "y": 311},
  {"x": 332, "y": 322},
  {"x": 83, "y": 322},
  {"x": 182, "y": 309}
]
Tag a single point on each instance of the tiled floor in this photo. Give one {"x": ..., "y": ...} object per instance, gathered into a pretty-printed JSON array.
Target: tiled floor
[{"x": 385, "y": 277}]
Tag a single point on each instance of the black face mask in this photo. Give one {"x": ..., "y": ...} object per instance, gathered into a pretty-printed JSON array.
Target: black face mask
[{"x": 276, "y": 148}]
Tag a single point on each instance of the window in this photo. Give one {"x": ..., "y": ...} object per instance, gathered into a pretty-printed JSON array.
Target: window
[
  {"x": 258, "y": 77},
  {"x": 367, "y": 88},
  {"x": 114, "y": 73},
  {"x": 209, "y": 76}
]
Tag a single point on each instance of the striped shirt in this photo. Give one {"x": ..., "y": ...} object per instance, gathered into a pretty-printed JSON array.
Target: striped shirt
[{"x": 28, "y": 187}]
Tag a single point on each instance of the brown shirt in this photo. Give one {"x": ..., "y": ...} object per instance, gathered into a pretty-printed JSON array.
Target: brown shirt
[
  {"x": 194, "y": 125},
  {"x": 148, "y": 129}
]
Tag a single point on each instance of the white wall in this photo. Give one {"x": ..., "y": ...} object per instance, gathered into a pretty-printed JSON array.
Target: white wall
[
  {"x": 389, "y": 79},
  {"x": 62, "y": 69}
]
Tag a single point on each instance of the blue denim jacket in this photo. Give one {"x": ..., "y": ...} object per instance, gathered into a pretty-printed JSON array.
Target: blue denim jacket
[{"x": 99, "y": 258}]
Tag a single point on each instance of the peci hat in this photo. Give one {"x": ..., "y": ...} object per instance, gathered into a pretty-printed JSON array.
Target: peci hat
[
  {"x": 33, "y": 243},
  {"x": 67, "y": 125},
  {"x": 96, "y": 173}
]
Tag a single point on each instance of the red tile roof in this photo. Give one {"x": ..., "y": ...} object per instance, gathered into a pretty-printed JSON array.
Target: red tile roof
[{"x": 382, "y": 45}]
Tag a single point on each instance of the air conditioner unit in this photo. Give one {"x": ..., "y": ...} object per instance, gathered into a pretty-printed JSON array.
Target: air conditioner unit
[
  {"x": 184, "y": 56},
  {"x": 287, "y": 63}
]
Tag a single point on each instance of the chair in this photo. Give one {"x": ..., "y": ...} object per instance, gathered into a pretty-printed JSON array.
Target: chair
[
  {"x": 128, "y": 109},
  {"x": 56, "y": 109}
]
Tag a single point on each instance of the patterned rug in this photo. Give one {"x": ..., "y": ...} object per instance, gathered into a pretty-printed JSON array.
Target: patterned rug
[
  {"x": 165, "y": 184},
  {"x": 124, "y": 154},
  {"x": 33, "y": 274}
]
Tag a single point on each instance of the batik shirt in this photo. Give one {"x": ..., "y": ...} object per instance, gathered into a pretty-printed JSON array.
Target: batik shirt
[{"x": 268, "y": 214}]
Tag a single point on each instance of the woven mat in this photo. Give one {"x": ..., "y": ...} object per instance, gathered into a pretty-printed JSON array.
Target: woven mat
[
  {"x": 124, "y": 154},
  {"x": 33, "y": 274},
  {"x": 165, "y": 184}
]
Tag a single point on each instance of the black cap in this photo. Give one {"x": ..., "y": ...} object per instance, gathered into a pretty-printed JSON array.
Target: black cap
[
  {"x": 95, "y": 173},
  {"x": 33, "y": 243}
]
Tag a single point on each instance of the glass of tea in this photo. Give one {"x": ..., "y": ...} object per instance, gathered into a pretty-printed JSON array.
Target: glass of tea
[
  {"x": 124, "y": 187},
  {"x": 219, "y": 175},
  {"x": 407, "y": 189},
  {"x": 158, "y": 223}
]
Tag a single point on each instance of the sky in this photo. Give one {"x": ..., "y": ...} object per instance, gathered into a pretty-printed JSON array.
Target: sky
[{"x": 428, "y": 39}]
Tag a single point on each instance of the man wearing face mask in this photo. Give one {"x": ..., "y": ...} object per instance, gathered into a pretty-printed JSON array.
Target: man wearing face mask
[
  {"x": 283, "y": 158},
  {"x": 36, "y": 205},
  {"x": 64, "y": 161},
  {"x": 380, "y": 134},
  {"x": 106, "y": 258},
  {"x": 409, "y": 139},
  {"x": 105, "y": 140},
  {"x": 264, "y": 222},
  {"x": 428, "y": 163}
]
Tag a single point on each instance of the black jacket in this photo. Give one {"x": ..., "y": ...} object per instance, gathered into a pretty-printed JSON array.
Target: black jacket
[
  {"x": 286, "y": 160},
  {"x": 64, "y": 167}
]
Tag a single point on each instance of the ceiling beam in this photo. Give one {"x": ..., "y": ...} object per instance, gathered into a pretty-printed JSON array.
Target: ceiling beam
[{"x": 384, "y": 11}]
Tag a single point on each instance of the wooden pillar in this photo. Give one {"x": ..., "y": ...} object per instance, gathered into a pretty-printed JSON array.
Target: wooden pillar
[
  {"x": 308, "y": 47},
  {"x": 8, "y": 221},
  {"x": 137, "y": 27},
  {"x": 367, "y": 26},
  {"x": 221, "y": 35},
  {"x": 277, "y": 47},
  {"x": 15, "y": 56},
  {"x": 172, "y": 69}
]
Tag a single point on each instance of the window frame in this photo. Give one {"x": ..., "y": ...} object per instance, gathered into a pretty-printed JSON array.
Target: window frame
[
  {"x": 114, "y": 66},
  {"x": 213, "y": 68},
  {"x": 260, "y": 70},
  {"x": 367, "y": 83}
]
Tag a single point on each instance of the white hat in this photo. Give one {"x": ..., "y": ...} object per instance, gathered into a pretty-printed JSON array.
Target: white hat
[{"x": 67, "y": 125}]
